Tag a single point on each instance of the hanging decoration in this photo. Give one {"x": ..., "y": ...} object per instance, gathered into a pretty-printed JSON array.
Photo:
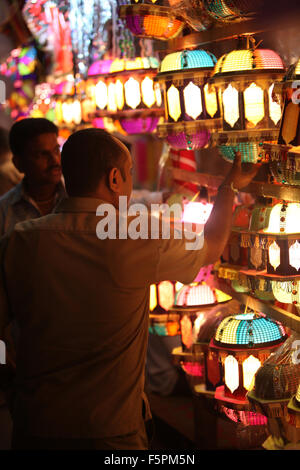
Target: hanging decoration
[
  {"x": 284, "y": 155},
  {"x": 152, "y": 21},
  {"x": 245, "y": 82},
  {"x": 243, "y": 342},
  {"x": 275, "y": 384},
  {"x": 191, "y": 104}
]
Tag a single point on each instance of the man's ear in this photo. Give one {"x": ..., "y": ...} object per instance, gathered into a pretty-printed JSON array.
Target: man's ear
[
  {"x": 115, "y": 180},
  {"x": 19, "y": 164}
]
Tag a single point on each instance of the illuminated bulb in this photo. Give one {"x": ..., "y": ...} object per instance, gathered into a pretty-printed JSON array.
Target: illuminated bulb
[
  {"x": 119, "y": 94},
  {"x": 192, "y": 100},
  {"x": 76, "y": 110},
  {"x": 101, "y": 95},
  {"x": 166, "y": 294},
  {"x": 274, "y": 255},
  {"x": 148, "y": 94},
  {"x": 153, "y": 297},
  {"x": 294, "y": 255},
  {"x": 111, "y": 98},
  {"x": 274, "y": 108},
  {"x": 158, "y": 96},
  {"x": 250, "y": 367},
  {"x": 210, "y": 101},
  {"x": 174, "y": 103},
  {"x": 132, "y": 93},
  {"x": 231, "y": 105},
  {"x": 231, "y": 367},
  {"x": 254, "y": 104},
  {"x": 292, "y": 219}
]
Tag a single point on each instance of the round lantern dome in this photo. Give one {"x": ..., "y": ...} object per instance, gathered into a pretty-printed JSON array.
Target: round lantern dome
[
  {"x": 248, "y": 330},
  {"x": 137, "y": 63},
  {"x": 187, "y": 60},
  {"x": 152, "y": 21},
  {"x": 99, "y": 67},
  {"x": 248, "y": 60},
  {"x": 284, "y": 219},
  {"x": 192, "y": 108},
  {"x": 190, "y": 296}
]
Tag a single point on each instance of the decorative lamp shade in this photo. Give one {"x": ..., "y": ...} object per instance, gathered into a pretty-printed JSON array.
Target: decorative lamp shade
[
  {"x": 284, "y": 156},
  {"x": 245, "y": 82},
  {"x": 191, "y": 104},
  {"x": 191, "y": 302},
  {"x": 243, "y": 343},
  {"x": 232, "y": 10},
  {"x": 128, "y": 93},
  {"x": 99, "y": 67},
  {"x": 281, "y": 240},
  {"x": 152, "y": 21},
  {"x": 162, "y": 296},
  {"x": 277, "y": 380}
]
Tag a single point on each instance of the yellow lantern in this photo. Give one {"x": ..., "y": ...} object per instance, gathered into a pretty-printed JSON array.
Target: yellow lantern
[
  {"x": 245, "y": 80},
  {"x": 243, "y": 342},
  {"x": 191, "y": 102}
]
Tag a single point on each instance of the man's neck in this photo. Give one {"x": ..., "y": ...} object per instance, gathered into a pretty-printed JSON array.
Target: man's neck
[{"x": 40, "y": 193}]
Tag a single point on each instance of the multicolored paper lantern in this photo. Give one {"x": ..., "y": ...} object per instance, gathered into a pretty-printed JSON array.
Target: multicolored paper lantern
[
  {"x": 251, "y": 115},
  {"x": 152, "y": 21},
  {"x": 243, "y": 342},
  {"x": 191, "y": 103}
]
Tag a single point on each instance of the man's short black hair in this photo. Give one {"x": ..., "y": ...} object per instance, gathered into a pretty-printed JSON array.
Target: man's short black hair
[
  {"x": 88, "y": 156},
  {"x": 23, "y": 131}
]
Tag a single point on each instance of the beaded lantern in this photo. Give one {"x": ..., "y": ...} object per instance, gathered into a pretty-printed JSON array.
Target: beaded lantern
[
  {"x": 70, "y": 110},
  {"x": 130, "y": 95},
  {"x": 245, "y": 81},
  {"x": 284, "y": 155},
  {"x": 232, "y": 10},
  {"x": 152, "y": 21},
  {"x": 275, "y": 384},
  {"x": 191, "y": 103},
  {"x": 243, "y": 342}
]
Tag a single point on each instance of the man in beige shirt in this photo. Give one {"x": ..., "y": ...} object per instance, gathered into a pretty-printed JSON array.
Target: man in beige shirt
[{"x": 82, "y": 303}]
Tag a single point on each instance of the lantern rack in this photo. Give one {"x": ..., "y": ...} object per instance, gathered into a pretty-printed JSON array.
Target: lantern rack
[{"x": 248, "y": 27}]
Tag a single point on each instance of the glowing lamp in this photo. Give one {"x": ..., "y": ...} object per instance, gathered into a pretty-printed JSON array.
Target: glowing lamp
[
  {"x": 283, "y": 155},
  {"x": 250, "y": 114},
  {"x": 281, "y": 239},
  {"x": 232, "y": 10},
  {"x": 196, "y": 213},
  {"x": 162, "y": 296},
  {"x": 152, "y": 21},
  {"x": 243, "y": 342},
  {"x": 191, "y": 103},
  {"x": 128, "y": 94}
]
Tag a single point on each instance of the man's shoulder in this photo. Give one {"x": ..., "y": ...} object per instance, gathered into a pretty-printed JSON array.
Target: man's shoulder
[{"x": 9, "y": 197}]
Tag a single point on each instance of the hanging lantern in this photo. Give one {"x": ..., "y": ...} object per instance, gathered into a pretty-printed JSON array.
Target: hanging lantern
[
  {"x": 282, "y": 242},
  {"x": 284, "y": 156},
  {"x": 245, "y": 81},
  {"x": 232, "y": 10},
  {"x": 275, "y": 384},
  {"x": 191, "y": 104},
  {"x": 162, "y": 296},
  {"x": 243, "y": 342},
  {"x": 164, "y": 325},
  {"x": 152, "y": 21},
  {"x": 129, "y": 95}
]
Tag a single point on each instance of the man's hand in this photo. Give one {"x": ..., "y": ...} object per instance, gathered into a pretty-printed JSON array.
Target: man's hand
[{"x": 240, "y": 179}]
